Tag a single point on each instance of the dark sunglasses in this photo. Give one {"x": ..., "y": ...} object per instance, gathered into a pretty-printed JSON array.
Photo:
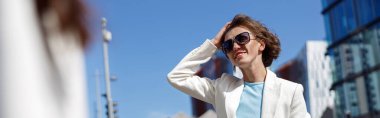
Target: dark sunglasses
[{"x": 241, "y": 39}]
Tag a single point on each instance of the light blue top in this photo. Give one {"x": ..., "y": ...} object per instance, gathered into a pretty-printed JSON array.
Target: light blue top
[{"x": 251, "y": 100}]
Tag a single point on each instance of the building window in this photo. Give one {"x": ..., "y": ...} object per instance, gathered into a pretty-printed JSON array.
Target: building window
[
  {"x": 365, "y": 11},
  {"x": 326, "y": 3},
  {"x": 364, "y": 51},
  {"x": 342, "y": 19},
  {"x": 348, "y": 51},
  {"x": 365, "y": 65},
  {"x": 352, "y": 88},
  {"x": 377, "y": 30},
  {"x": 349, "y": 59},
  {"x": 373, "y": 95},
  {"x": 371, "y": 87},
  {"x": 327, "y": 20},
  {"x": 349, "y": 14},
  {"x": 354, "y": 104},
  {"x": 377, "y": 7}
]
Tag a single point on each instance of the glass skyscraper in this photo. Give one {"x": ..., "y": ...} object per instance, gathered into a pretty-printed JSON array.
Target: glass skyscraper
[{"x": 353, "y": 34}]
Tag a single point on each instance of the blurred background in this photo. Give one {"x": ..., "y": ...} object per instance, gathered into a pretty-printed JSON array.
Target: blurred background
[
  {"x": 331, "y": 47},
  {"x": 150, "y": 37}
]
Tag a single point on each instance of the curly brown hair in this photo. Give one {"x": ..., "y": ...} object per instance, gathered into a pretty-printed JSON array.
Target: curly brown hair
[{"x": 272, "y": 43}]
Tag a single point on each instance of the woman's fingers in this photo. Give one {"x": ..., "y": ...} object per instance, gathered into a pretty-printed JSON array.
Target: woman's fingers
[{"x": 217, "y": 39}]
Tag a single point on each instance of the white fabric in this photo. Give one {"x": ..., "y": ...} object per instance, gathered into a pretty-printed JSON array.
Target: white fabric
[
  {"x": 281, "y": 99},
  {"x": 38, "y": 78}
]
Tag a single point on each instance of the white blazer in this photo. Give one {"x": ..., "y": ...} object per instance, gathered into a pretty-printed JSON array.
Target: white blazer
[{"x": 281, "y": 98}]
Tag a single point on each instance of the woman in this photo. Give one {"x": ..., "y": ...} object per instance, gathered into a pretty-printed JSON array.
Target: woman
[{"x": 251, "y": 47}]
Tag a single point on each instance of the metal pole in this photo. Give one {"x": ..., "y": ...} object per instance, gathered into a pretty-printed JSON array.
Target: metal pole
[
  {"x": 98, "y": 96},
  {"x": 106, "y": 40}
]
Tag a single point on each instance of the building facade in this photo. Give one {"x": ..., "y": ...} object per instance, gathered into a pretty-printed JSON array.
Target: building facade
[
  {"x": 311, "y": 68},
  {"x": 353, "y": 34}
]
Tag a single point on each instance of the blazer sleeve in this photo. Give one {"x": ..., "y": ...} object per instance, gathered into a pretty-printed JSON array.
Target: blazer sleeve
[
  {"x": 298, "y": 105},
  {"x": 183, "y": 75}
]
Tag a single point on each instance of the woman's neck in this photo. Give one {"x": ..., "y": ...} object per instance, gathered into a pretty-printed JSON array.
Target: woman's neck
[{"x": 255, "y": 73}]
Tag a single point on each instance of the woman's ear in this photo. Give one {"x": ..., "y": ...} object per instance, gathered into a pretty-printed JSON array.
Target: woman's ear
[{"x": 262, "y": 45}]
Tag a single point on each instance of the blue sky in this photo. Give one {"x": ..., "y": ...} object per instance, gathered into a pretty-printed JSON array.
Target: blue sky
[{"x": 151, "y": 36}]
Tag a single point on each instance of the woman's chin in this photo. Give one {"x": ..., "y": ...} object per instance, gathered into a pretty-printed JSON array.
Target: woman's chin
[{"x": 242, "y": 63}]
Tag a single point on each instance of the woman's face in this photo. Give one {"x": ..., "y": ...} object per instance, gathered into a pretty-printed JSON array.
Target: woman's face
[{"x": 244, "y": 55}]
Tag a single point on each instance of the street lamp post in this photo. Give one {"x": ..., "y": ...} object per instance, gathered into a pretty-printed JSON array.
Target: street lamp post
[
  {"x": 106, "y": 39},
  {"x": 98, "y": 106}
]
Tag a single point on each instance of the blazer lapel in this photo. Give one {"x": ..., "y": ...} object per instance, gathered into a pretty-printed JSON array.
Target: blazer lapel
[
  {"x": 271, "y": 95},
  {"x": 232, "y": 97}
]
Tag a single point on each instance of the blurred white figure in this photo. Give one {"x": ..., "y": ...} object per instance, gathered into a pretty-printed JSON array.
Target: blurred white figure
[{"x": 41, "y": 63}]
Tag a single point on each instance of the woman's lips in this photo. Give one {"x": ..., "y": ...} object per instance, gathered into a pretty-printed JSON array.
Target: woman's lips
[{"x": 238, "y": 55}]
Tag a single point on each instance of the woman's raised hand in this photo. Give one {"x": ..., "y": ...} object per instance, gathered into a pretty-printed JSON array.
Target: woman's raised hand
[{"x": 217, "y": 41}]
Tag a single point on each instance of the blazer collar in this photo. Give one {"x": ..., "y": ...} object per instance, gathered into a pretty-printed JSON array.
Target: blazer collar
[
  {"x": 270, "y": 96},
  {"x": 270, "y": 80}
]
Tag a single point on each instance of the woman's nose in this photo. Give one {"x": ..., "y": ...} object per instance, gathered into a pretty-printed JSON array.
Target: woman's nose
[{"x": 235, "y": 46}]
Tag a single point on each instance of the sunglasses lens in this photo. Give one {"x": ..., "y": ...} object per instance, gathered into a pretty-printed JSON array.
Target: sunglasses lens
[
  {"x": 242, "y": 38},
  {"x": 227, "y": 46}
]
